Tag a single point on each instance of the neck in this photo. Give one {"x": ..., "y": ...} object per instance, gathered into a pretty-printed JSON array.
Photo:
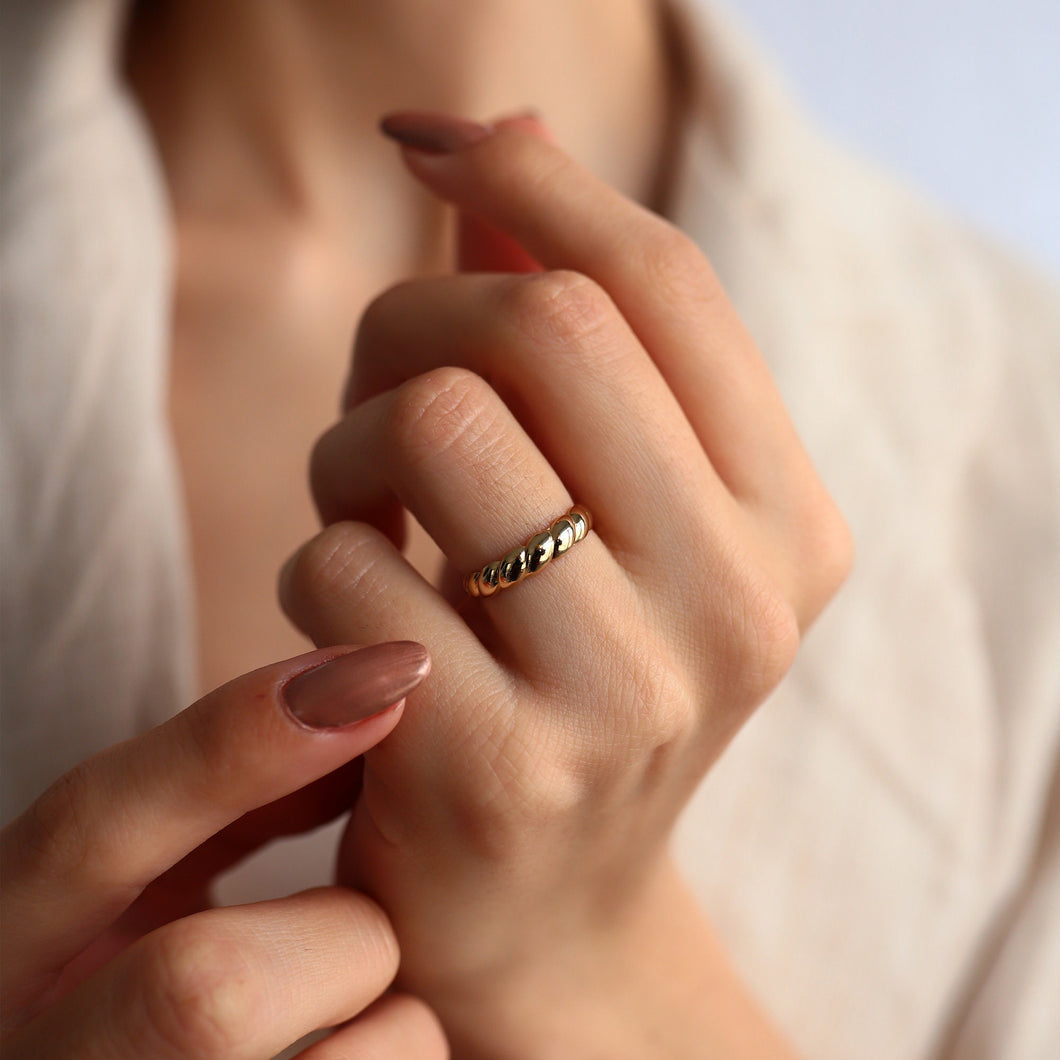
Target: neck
[{"x": 275, "y": 105}]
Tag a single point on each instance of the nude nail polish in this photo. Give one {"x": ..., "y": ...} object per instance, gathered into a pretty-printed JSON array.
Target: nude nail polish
[
  {"x": 357, "y": 685},
  {"x": 433, "y": 134}
]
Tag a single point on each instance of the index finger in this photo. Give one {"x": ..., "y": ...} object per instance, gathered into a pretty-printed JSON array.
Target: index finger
[
  {"x": 567, "y": 218},
  {"x": 87, "y": 848}
]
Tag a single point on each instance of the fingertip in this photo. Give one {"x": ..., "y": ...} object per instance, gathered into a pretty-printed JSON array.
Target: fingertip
[
  {"x": 427, "y": 133},
  {"x": 529, "y": 121}
]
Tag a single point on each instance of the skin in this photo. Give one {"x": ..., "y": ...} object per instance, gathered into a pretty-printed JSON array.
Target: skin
[
  {"x": 291, "y": 213},
  {"x": 571, "y": 716},
  {"x": 537, "y": 773},
  {"x": 110, "y": 949}
]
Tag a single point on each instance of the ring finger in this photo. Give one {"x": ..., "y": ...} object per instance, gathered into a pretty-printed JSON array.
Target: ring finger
[{"x": 448, "y": 448}]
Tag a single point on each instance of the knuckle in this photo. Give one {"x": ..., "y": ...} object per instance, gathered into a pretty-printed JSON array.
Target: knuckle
[
  {"x": 769, "y": 643},
  {"x": 378, "y": 315},
  {"x": 676, "y": 268},
  {"x": 644, "y": 670},
  {"x": 371, "y": 361},
  {"x": 836, "y": 551},
  {"x": 198, "y": 992},
  {"x": 514, "y": 787},
  {"x": 331, "y": 566},
  {"x": 559, "y": 309},
  {"x": 661, "y": 713},
  {"x": 546, "y": 788},
  {"x": 58, "y": 832},
  {"x": 640, "y": 670},
  {"x": 825, "y": 557},
  {"x": 439, "y": 409},
  {"x": 377, "y": 942},
  {"x": 668, "y": 714},
  {"x": 419, "y": 1029}
]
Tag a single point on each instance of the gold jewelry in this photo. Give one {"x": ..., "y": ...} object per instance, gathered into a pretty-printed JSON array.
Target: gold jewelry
[{"x": 528, "y": 559}]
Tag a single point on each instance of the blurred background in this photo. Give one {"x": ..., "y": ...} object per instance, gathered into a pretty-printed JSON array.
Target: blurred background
[{"x": 962, "y": 97}]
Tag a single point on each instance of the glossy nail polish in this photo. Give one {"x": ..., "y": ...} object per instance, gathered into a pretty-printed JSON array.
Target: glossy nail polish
[
  {"x": 433, "y": 134},
  {"x": 357, "y": 685}
]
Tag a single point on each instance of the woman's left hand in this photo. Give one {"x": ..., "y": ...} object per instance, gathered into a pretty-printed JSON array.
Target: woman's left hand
[{"x": 515, "y": 827}]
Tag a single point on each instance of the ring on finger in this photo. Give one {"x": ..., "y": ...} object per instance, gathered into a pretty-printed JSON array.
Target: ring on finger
[{"x": 533, "y": 556}]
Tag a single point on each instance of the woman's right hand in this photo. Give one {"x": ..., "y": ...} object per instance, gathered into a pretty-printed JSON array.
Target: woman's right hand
[{"x": 109, "y": 947}]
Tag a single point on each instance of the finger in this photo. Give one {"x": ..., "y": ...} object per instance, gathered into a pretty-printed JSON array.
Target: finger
[
  {"x": 396, "y": 1026},
  {"x": 185, "y": 888},
  {"x": 302, "y": 811},
  {"x": 242, "y": 982},
  {"x": 450, "y": 450},
  {"x": 90, "y": 845},
  {"x": 567, "y": 218},
  {"x": 351, "y": 577},
  {"x": 481, "y": 245},
  {"x": 561, "y": 357}
]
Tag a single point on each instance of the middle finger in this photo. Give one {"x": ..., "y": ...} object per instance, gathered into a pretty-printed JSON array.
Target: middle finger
[
  {"x": 561, "y": 357},
  {"x": 447, "y": 448}
]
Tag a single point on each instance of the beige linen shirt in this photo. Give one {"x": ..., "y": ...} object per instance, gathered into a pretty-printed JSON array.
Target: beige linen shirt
[{"x": 880, "y": 847}]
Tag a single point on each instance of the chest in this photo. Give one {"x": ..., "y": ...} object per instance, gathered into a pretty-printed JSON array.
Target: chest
[{"x": 261, "y": 342}]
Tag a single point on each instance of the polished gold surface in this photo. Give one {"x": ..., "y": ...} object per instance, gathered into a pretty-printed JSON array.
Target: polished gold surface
[
  {"x": 513, "y": 567},
  {"x": 539, "y": 551},
  {"x": 530, "y": 558},
  {"x": 582, "y": 520},
  {"x": 489, "y": 579},
  {"x": 563, "y": 532}
]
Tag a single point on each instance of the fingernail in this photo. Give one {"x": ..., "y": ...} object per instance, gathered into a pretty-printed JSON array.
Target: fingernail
[
  {"x": 434, "y": 134},
  {"x": 357, "y": 685}
]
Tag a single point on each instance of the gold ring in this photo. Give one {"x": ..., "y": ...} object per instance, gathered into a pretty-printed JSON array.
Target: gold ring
[{"x": 530, "y": 558}]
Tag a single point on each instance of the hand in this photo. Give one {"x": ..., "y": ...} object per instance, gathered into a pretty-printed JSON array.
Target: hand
[
  {"x": 516, "y": 827},
  {"x": 130, "y": 840}
]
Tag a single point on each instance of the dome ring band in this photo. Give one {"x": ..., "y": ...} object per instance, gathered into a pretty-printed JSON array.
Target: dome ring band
[{"x": 533, "y": 556}]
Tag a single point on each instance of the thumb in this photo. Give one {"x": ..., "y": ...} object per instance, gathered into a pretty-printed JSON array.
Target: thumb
[{"x": 481, "y": 246}]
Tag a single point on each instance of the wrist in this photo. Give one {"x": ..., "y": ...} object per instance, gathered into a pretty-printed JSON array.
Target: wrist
[
  {"x": 651, "y": 981},
  {"x": 568, "y": 997}
]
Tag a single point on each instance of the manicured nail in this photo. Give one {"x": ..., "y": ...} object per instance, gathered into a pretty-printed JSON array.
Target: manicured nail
[
  {"x": 357, "y": 685},
  {"x": 434, "y": 134}
]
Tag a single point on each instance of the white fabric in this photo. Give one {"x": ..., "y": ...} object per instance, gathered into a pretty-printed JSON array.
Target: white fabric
[
  {"x": 94, "y": 612},
  {"x": 880, "y": 848},
  {"x": 872, "y": 845}
]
